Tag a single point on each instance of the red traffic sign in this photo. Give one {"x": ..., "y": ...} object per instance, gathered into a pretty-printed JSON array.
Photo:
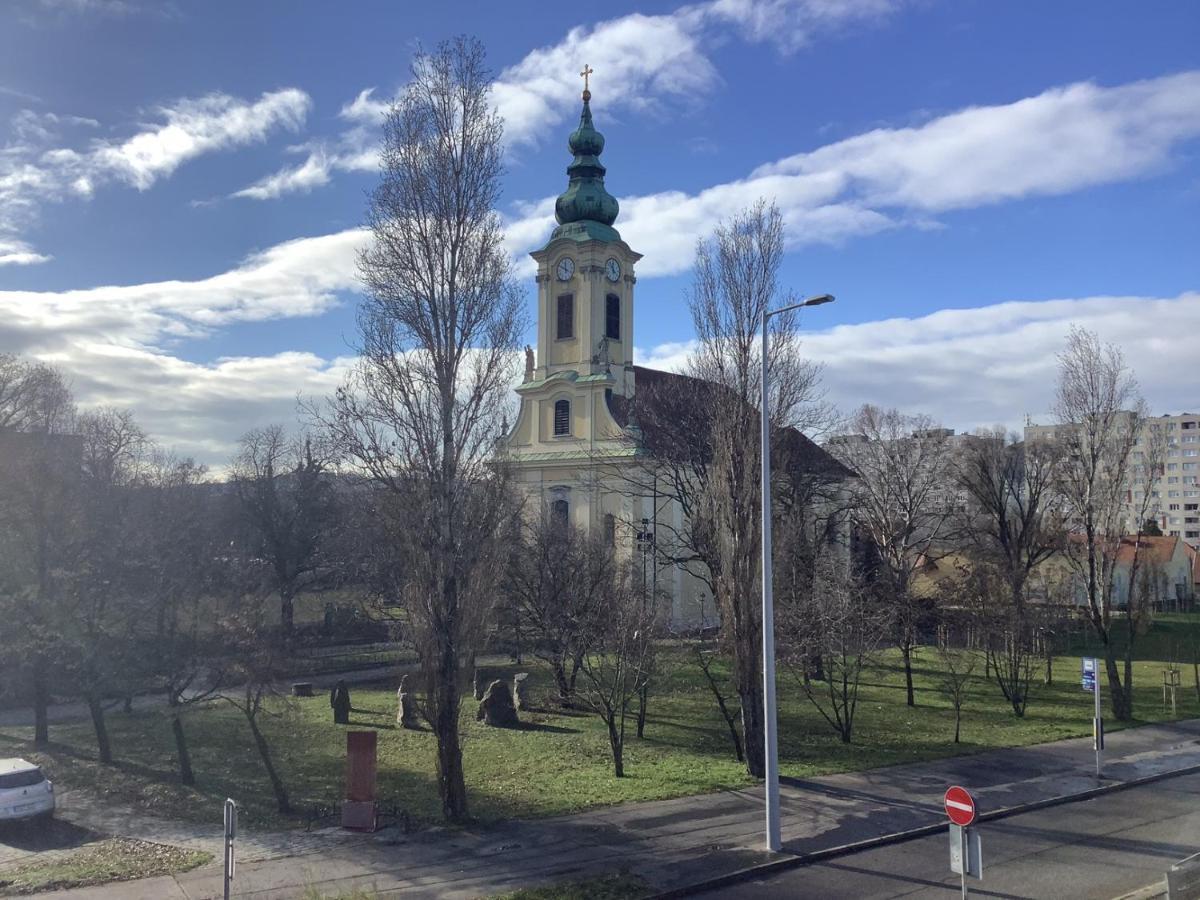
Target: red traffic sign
[{"x": 960, "y": 806}]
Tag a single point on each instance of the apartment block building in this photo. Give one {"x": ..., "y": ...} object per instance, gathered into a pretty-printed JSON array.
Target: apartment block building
[{"x": 1175, "y": 494}]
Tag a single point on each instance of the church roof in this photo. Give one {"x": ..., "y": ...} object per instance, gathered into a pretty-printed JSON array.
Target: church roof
[
  {"x": 673, "y": 414},
  {"x": 586, "y": 210}
]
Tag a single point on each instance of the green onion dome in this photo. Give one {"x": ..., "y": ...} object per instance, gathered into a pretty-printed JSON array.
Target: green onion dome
[{"x": 585, "y": 199}]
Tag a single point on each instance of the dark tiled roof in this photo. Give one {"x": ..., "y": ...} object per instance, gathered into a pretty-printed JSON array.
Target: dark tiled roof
[{"x": 673, "y": 411}]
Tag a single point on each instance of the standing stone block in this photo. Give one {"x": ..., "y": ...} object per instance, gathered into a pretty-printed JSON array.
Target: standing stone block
[
  {"x": 521, "y": 691},
  {"x": 406, "y": 712},
  {"x": 497, "y": 708}
]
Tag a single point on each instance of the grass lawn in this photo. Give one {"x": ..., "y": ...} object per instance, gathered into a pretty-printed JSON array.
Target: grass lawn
[
  {"x": 558, "y": 763},
  {"x": 115, "y": 859}
]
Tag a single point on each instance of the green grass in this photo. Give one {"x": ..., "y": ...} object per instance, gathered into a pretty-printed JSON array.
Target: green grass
[
  {"x": 560, "y": 763},
  {"x": 606, "y": 887},
  {"x": 102, "y": 862}
]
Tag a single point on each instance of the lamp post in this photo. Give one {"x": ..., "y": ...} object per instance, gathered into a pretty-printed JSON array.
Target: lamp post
[{"x": 770, "y": 738}]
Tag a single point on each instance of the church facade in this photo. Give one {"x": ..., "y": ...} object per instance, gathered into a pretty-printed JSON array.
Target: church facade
[{"x": 573, "y": 448}]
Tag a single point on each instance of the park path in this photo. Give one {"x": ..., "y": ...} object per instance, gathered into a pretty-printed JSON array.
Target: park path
[
  {"x": 669, "y": 843},
  {"x": 73, "y": 711}
]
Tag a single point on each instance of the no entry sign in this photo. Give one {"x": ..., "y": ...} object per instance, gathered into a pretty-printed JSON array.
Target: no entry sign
[{"x": 960, "y": 806}]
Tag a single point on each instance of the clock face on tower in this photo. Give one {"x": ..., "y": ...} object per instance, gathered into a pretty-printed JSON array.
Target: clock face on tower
[
  {"x": 612, "y": 269},
  {"x": 565, "y": 269}
]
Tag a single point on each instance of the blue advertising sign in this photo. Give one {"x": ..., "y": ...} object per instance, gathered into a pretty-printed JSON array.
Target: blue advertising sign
[{"x": 1089, "y": 674}]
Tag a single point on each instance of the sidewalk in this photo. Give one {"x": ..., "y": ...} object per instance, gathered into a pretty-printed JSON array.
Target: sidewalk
[{"x": 676, "y": 843}]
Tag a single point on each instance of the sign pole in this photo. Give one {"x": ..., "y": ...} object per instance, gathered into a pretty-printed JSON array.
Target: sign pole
[
  {"x": 962, "y": 839},
  {"x": 230, "y": 835},
  {"x": 1098, "y": 727}
]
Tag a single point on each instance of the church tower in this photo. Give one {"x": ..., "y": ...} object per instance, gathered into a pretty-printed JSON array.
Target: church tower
[
  {"x": 566, "y": 433},
  {"x": 585, "y": 273}
]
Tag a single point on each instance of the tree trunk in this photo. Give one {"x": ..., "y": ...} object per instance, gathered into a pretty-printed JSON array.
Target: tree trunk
[
  {"x": 614, "y": 740},
  {"x": 452, "y": 786},
  {"x": 97, "y": 710},
  {"x": 566, "y": 695},
  {"x": 186, "y": 775},
  {"x": 1116, "y": 691},
  {"x": 1049, "y": 666},
  {"x": 643, "y": 696},
  {"x": 906, "y": 652},
  {"x": 281, "y": 798},
  {"x": 752, "y": 730},
  {"x": 957, "y": 722},
  {"x": 41, "y": 704},
  {"x": 287, "y": 611}
]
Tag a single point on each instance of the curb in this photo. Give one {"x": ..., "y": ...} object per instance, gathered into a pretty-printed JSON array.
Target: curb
[{"x": 796, "y": 861}]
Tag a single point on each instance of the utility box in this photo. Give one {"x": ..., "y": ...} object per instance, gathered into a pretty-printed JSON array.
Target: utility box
[{"x": 358, "y": 808}]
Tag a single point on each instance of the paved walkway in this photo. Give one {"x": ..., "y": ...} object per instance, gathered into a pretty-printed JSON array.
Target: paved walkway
[{"x": 669, "y": 843}]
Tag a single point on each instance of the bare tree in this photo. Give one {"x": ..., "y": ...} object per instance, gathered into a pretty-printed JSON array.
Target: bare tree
[
  {"x": 899, "y": 506},
  {"x": 705, "y": 656},
  {"x": 1100, "y": 414},
  {"x": 254, "y": 655},
  {"x": 958, "y": 665},
  {"x": 1013, "y": 525},
  {"x": 178, "y": 549},
  {"x": 699, "y": 434},
  {"x": 840, "y": 623},
  {"x": 439, "y": 325},
  {"x": 555, "y": 584},
  {"x": 39, "y": 479},
  {"x": 286, "y": 499},
  {"x": 100, "y": 583},
  {"x": 34, "y": 397},
  {"x": 617, "y": 662}
]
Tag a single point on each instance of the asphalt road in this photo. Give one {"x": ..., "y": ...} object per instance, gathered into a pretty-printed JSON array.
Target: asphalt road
[{"x": 1101, "y": 848}]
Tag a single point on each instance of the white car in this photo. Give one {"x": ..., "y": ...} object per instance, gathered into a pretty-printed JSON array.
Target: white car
[{"x": 25, "y": 791}]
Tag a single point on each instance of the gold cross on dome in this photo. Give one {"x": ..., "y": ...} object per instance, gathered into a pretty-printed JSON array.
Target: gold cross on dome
[{"x": 587, "y": 70}]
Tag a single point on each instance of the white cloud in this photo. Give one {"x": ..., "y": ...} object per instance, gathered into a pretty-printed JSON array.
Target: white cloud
[
  {"x": 196, "y": 126},
  {"x": 19, "y": 253},
  {"x": 115, "y": 343},
  {"x": 991, "y": 365},
  {"x": 1062, "y": 140},
  {"x": 1058, "y": 141},
  {"x": 296, "y": 278},
  {"x": 33, "y": 172},
  {"x": 313, "y": 172},
  {"x": 643, "y": 62}
]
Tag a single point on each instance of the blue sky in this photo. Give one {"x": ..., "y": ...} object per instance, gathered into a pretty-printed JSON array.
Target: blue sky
[{"x": 180, "y": 184}]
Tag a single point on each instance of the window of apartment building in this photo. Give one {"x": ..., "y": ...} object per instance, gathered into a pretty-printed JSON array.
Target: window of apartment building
[
  {"x": 1173, "y": 507},
  {"x": 1174, "y": 479},
  {"x": 610, "y": 530},
  {"x": 1189, "y": 467},
  {"x": 1191, "y": 452},
  {"x": 1188, "y": 426},
  {"x": 1190, "y": 506},
  {"x": 1189, "y": 479},
  {"x": 1174, "y": 533},
  {"x": 1171, "y": 467},
  {"x": 566, "y": 317},
  {"x": 1191, "y": 438},
  {"x": 1191, "y": 493},
  {"x": 1191, "y": 520},
  {"x": 1193, "y": 534},
  {"x": 1174, "y": 520},
  {"x": 1172, "y": 493}
]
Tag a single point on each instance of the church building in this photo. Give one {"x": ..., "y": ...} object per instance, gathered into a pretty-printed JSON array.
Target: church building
[{"x": 573, "y": 446}]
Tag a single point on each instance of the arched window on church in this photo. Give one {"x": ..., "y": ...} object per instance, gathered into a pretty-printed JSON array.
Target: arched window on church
[
  {"x": 560, "y": 511},
  {"x": 610, "y": 530},
  {"x": 612, "y": 317},
  {"x": 562, "y": 417}
]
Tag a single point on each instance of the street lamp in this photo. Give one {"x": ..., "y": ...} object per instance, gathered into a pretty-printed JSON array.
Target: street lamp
[{"x": 770, "y": 738}]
